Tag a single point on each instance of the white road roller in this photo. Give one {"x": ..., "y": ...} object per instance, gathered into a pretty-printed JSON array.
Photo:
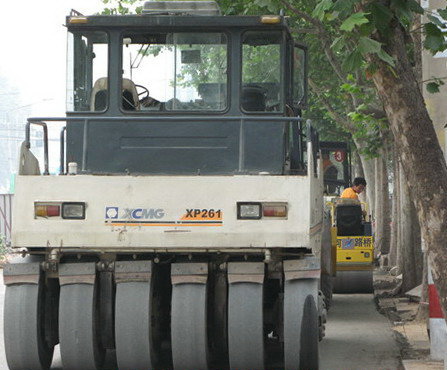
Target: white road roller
[{"x": 184, "y": 230}]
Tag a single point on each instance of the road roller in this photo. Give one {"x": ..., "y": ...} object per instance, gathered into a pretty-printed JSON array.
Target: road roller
[
  {"x": 351, "y": 235},
  {"x": 179, "y": 224},
  {"x": 353, "y": 240}
]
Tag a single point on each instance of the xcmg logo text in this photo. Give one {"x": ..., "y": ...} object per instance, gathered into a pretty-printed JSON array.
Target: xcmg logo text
[{"x": 134, "y": 213}]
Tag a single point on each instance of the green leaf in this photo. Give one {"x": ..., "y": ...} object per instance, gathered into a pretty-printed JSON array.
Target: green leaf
[
  {"x": 435, "y": 20},
  {"x": 367, "y": 28},
  {"x": 432, "y": 87},
  {"x": 369, "y": 46},
  {"x": 355, "y": 19},
  {"x": 338, "y": 44},
  {"x": 269, "y": 4},
  {"x": 362, "y": 107},
  {"x": 353, "y": 61},
  {"x": 402, "y": 9},
  {"x": 434, "y": 39},
  {"x": 321, "y": 8},
  {"x": 386, "y": 57},
  {"x": 432, "y": 30},
  {"x": 415, "y": 7},
  {"x": 344, "y": 7},
  {"x": 443, "y": 13},
  {"x": 382, "y": 16}
]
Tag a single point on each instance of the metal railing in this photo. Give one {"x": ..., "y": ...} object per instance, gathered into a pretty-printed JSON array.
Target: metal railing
[{"x": 87, "y": 120}]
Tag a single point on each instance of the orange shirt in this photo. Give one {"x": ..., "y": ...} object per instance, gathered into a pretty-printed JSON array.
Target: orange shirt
[{"x": 349, "y": 193}]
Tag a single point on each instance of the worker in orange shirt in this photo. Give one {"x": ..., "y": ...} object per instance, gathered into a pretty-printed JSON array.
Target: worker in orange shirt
[{"x": 357, "y": 187}]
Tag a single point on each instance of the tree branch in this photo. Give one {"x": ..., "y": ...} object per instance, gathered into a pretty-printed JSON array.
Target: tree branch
[
  {"x": 332, "y": 112},
  {"x": 326, "y": 43}
]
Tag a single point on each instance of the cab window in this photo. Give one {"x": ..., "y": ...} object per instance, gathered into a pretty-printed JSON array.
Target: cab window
[
  {"x": 174, "y": 71},
  {"x": 261, "y": 72},
  {"x": 87, "y": 70}
]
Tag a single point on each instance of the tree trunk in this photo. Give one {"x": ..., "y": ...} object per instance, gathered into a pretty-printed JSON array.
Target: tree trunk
[
  {"x": 382, "y": 211},
  {"x": 411, "y": 254},
  {"x": 378, "y": 207},
  {"x": 357, "y": 168},
  {"x": 369, "y": 171},
  {"x": 422, "y": 313},
  {"x": 419, "y": 151},
  {"x": 394, "y": 213}
]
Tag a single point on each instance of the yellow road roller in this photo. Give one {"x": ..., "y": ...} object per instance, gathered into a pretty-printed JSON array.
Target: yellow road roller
[{"x": 354, "y": 243}]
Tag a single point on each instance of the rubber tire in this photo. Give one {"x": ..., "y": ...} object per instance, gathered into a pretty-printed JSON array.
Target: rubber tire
[
  {"x": 309, "y": 336},
  {"x": 245, "y": 326},
  {"x": 301, "y": 329},
  {"x": 25, "y": 346},
  {"x": 189, "y": 335},
  {"x": 78, "y": 334},
  {"x": 133, "y": 326}
]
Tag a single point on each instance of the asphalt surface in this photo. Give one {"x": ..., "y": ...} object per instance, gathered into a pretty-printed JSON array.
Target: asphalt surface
[{"x": 357, "y": 337}]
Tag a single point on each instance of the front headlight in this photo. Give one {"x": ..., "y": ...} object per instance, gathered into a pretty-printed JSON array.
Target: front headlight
[
  {"x": 73, "y": 210},
  {"x": 249, "y": 211}
]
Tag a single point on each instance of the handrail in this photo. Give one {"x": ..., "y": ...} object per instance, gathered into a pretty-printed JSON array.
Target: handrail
[
  {"x": 148, "y": 119},
  {"x": 62, "y": 170},
  {"x": 166, "y": 118}
]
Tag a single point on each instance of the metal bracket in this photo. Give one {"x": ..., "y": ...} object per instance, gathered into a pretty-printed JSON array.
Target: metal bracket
[
  {"x": 305, "y": 268},
  {"x": 246, "y": 272},
  {"x": 186, "y": 273},
  {"x": 77, "y": 273},
  {"x": 22, "y": 273},
  {"x": 132, "y": 271}
]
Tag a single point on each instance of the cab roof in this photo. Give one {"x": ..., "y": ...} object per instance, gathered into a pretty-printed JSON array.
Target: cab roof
[{"x": 175, "y": 20}]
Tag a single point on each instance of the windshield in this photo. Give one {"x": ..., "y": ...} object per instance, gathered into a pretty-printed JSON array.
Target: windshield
[{"x": 174, "y": 71}]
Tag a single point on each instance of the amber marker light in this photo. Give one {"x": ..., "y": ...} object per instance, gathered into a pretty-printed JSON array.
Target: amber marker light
[
  {"x": 47, "y": 210},
  {"x": 77, "y": 20},
  {"x": 274, "y": 210},
  {"x": 270, "y": 19}
]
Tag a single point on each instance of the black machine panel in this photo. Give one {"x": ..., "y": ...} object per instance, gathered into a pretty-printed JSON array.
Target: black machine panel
[
  {"x": 349, "y": 220},
  {"x": 175, "y": 147}
]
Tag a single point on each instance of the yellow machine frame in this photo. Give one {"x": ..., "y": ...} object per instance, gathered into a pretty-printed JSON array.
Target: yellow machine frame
[{"x": 354, "y": 253}]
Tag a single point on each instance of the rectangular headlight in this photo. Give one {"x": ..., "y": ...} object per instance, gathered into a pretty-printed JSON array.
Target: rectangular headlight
[
  {"x": 73, "y": 210},
  {"x": 249, "y": 211}
]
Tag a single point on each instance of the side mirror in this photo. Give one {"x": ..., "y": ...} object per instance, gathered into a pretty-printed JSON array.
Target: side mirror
[{"x": 299, "y": 76}]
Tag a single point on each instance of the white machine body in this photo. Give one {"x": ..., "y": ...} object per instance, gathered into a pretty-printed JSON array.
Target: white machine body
[{"x": 164, "y": 212}]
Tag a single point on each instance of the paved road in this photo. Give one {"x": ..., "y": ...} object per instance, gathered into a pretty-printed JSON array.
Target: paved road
[{"x": 357, "y": 337}]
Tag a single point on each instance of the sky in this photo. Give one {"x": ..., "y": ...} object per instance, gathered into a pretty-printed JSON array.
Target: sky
[
  {"x": 32, "y": 61},
  {"x": 33, "y": 50}
]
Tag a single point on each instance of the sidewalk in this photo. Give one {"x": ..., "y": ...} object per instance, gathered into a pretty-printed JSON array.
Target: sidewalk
[{"x": 411, "y": 334}]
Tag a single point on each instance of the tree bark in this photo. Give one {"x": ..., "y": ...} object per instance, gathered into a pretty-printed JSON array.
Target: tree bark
[
  {"x": 419, "y": 151},
  {"x": 369, "y": 172},
  {"x": 357, "y": 170},
  {"x": 423, "y": 313},
  {"x": 382, "y": 206},
  {"x": 411, "y": 254},
  {"x": 394, "y": 213}
]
